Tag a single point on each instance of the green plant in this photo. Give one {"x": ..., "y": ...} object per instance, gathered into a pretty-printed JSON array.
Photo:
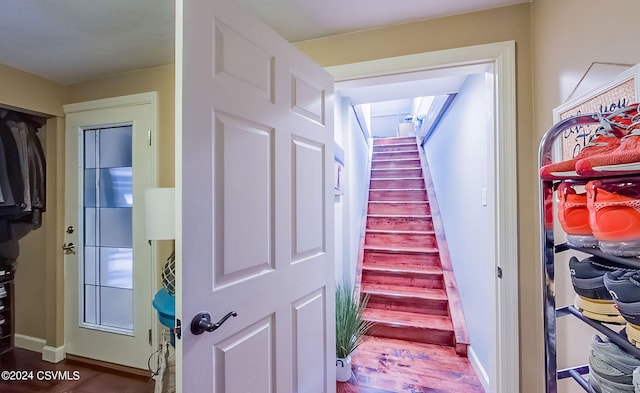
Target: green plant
[{"x": 350, "y": 327}]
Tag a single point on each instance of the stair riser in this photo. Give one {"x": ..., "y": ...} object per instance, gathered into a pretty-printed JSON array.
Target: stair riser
[
  {"x": 397, "y": 184},
  {"x": 391, "y": 173},
  {"x": 395, "y": 164},
  {"x": 383, "y": 259},
  {"x": 400, "y": 223},
  {"x": 417, "y": 305},
  {"x": 397, "y": 195},
  {"x": 394, "y": 141},
  {"x": 395, "y": 155},
  {"x": 399, "y": 241},
  {"x": 428, "y": 336},
  {"x": 430, "y": 281},
  {"x": 399, "y": 208},
  {"x": 395, "y": 147}
]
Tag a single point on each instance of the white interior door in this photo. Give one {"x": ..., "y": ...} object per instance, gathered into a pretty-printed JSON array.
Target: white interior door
[
  {"x": 108, "y": 265},
  {"x": 255, "y": 141}
]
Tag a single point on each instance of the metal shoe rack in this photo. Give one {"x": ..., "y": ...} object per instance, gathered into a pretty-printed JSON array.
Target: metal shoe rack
[{"x": 549, "y": 249}]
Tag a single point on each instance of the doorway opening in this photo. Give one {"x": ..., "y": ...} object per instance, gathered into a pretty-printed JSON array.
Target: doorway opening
[{"x": 497, "y": 364}]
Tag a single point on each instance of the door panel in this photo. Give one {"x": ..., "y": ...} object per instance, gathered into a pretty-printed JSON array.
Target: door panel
[
  {"x": 307, "y": 205},
  {"x": 308, "y": 346},
  {"x": 253, "y": 349},
  {"x": 257, "y": 206},
  {"x": 248, "y": 198}
]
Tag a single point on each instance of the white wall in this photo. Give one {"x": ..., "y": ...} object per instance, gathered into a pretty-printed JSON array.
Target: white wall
[
  {"x": 383, "y": 126},
  {"x": 459, "y": 153},
  {"x": 350, "y": 205}
]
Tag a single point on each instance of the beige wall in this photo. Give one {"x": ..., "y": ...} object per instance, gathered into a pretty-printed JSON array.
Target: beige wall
[
  {"x": 568, "y": 36},
  {"x": 160, "y": 79},
  {"x": 32, "y": 282},
  {"x": 502, "y": 24},
  {"x": 39, "y": 278},
  {"x": 27, "y": 91}
]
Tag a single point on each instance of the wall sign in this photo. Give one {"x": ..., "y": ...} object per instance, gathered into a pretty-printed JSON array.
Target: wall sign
[{"x": 620, "y": 92}]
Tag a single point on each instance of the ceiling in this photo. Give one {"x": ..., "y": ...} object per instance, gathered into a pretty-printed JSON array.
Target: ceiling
[{"x": 70, "y": 41}]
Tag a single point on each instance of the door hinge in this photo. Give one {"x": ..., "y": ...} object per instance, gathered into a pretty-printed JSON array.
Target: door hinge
[
  {"x": 178, "y": 329},
  {"x": 150, "y": 337},
  {"x": 149, "y": 136},
  {"x": 499, "y": 271}
]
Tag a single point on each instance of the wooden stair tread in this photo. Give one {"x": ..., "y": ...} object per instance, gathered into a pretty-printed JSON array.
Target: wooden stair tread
[
  {"x": 410, "y": 149},
  {"x": 400, "y": 232},
  {"x": 412, "y": 144},
  {"x": 385, "y": 140},
  {"x": 416, "y": 216},
  {"x": 392, "y": 269},
  {"x": 396, "y": 178},
  {"x": 407, "y": 168},
  {"x": 397, "y": 189},
  {"x": 403, "y": 250},
  {"x": 404, "y": 291},
  {"x": 397, "y": 159},
  {"x": 408, "y": 319},
  {"x": 401, "y": 202}
]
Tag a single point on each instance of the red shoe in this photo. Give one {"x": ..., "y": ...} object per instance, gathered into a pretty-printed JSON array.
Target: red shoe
[
  {"x": 624, "y": 159},
  {"x": 574, "y": 217},
  {"x": 613, "y": 126},
  {"x": 603, "y": 141},
  {"x": 614, "y": 216}
]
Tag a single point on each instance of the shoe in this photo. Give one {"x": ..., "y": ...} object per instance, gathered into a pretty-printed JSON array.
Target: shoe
[
  {"x": 574, "y": 217},
  {"x": 592, "y": 297},
  {"x": 636, "y": 380},
  {"x": 624, "y": 287},
  {"x": 603, "y": 141},
  {"x": 614, "y": 216},
  {"x": 606, "y": 138},
  {"x": 624, "y": 159},
  {"x": 611, "y": 368}
]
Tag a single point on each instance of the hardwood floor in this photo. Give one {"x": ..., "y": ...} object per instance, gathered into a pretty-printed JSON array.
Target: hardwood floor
[
  {"x": 380, "y": 365},
  {"x": 81, "y": 378},
  {"x": 383, "y": 365}
]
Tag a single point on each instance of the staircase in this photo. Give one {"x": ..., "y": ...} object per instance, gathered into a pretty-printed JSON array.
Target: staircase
[{"x": 405, "y": 265}]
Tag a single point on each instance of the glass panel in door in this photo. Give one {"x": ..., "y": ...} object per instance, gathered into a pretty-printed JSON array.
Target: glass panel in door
[{"x": 107, "y": 252}]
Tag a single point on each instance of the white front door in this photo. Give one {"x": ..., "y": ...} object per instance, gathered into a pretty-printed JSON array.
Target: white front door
[
  {"x": 255, "y": 158},
  {"x": 108, "y": 265}
]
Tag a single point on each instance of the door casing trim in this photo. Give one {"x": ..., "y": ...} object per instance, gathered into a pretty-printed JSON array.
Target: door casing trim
[{"x": 501, "y": 56}]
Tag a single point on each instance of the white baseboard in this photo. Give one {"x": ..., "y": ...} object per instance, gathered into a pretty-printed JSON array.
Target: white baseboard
[
  {"x": 480, "y": 371},
  {"x": 49, "y": 354},
  {"x": 29, "y": 343},
  {"x": 53, "y": 354}
]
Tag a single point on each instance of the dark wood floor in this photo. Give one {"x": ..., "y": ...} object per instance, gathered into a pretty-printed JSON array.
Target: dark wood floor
[
  {"x": 91, "y": 379},
  {"x": 382, "y": 365}
]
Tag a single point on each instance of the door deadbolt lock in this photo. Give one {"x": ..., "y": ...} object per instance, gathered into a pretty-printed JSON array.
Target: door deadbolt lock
[
  {"x": 70, "y": 229},
  {"x": 69, "y": 248}
]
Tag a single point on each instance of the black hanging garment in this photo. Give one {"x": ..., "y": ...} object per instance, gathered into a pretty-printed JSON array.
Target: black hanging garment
[{"x": 22, "y": 179}]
